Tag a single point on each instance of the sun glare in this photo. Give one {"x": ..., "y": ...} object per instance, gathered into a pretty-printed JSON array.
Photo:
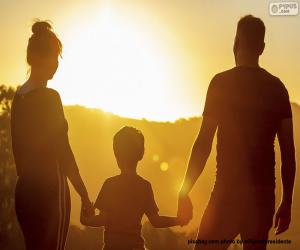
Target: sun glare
[
  {"x": 118, "y": 65},
  {"x": 164, "y": 166}
]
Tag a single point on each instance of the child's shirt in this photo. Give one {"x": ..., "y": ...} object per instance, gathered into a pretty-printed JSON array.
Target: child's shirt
[{"x": 125, "y": 198}]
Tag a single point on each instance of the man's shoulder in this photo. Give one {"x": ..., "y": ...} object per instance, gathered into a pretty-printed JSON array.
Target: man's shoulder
[
  {"x": 220, "y": 80},
  {"x": 270, "y": 76},
  {"x": 275, "y": 85},
  {"x": 226, "y": 72},
  {"x": 221, "y": 76},
  {"x": 231, "y": 73}
]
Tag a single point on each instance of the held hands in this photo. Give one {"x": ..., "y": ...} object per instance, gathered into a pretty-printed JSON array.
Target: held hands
[
  {"x": 87, "y": 207},
  {"x": 185, "y": 210},
  {"x": 282, "y": 218},
  {"x": 87, "y": 210}
]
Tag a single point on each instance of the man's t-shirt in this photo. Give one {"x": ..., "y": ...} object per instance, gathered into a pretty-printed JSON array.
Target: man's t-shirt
[
  {"x": 125, "y": 198},
  {"x": 248, "y": 104}
]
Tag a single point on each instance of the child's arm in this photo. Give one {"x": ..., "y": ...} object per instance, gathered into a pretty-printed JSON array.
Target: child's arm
[
  {"x": 159, "y": 221},
  {"x": 92, "y": 220}
]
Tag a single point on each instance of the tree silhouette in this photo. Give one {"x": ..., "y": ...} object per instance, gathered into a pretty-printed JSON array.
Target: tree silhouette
[{"x": 10, "y": 235}]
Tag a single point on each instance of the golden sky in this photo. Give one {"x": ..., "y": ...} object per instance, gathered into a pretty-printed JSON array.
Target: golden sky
[{"x": 145, "y": 58}]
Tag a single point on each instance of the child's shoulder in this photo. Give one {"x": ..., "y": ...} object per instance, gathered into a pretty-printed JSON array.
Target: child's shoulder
[
  {"x": 134, "y": 180},
  {"x": 143, "y": 180},
  {"x": 111, "y": 179}
]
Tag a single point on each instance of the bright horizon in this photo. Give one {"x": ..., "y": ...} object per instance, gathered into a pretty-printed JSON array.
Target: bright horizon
[{"x": 146, "y": 59}]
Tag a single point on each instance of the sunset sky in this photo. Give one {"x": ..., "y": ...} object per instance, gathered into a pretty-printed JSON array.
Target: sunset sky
[{"x": 144, "y": 58}]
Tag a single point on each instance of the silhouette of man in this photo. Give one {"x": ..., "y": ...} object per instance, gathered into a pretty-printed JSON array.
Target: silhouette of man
[{"x": 247, "y": 106}]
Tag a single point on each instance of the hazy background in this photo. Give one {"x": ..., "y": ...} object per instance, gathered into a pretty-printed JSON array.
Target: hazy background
[{"x": 138, "y": 51}]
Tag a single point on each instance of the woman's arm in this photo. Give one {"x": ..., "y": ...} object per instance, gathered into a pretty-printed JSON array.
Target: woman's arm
[
  {"x": 71, "y": 170},
  {"x": 80, "y": 188},
  {"x": 64, "y": 152},
  {"x": 69, "y": 166}
]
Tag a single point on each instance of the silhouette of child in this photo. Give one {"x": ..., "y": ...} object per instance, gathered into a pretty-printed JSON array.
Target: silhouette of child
[{"x": 123, "y": 199}]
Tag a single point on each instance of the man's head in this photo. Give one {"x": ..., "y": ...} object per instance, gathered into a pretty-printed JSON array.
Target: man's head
[
  {"x": 250, "y": 34},
  {"x": 128, "y": 145}
]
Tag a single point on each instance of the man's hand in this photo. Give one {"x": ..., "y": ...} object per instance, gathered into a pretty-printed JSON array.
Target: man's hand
[
  {"x": 185, "y": 210},
  {"x": 282, "y": 218}
]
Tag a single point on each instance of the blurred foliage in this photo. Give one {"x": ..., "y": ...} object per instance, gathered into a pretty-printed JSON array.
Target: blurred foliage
[
  {"x": 84, "y": 239},
  {"x": 10, "y": 235}
]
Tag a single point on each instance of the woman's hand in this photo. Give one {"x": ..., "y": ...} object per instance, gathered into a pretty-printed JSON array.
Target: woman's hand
[{"x": 87, "y": 207}]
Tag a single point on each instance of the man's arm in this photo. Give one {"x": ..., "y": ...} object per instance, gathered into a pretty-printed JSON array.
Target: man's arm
[
  {"x": 288, "y": 169},
  {"x": 200, "y": 153}
]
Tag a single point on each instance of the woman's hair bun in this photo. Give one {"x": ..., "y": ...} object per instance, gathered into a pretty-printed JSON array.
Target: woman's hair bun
[
  {"x": 41, "y": 27},
  {"x": 42, "y": 43}
]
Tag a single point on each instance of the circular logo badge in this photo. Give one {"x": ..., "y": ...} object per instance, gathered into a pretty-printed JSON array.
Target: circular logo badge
[{"x": 274, "y": 8}]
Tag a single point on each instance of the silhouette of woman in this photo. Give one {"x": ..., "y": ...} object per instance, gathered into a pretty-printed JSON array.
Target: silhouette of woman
[{"x": 43, "y": 157}]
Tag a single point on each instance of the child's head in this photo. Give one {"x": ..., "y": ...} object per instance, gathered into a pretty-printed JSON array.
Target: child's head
[{"x": 128, "y": 144}]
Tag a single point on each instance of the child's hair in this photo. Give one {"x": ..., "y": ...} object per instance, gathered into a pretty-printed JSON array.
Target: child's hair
[
  {"x": 43, "y": 43},
  {"x": 128, "y": 145}
]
